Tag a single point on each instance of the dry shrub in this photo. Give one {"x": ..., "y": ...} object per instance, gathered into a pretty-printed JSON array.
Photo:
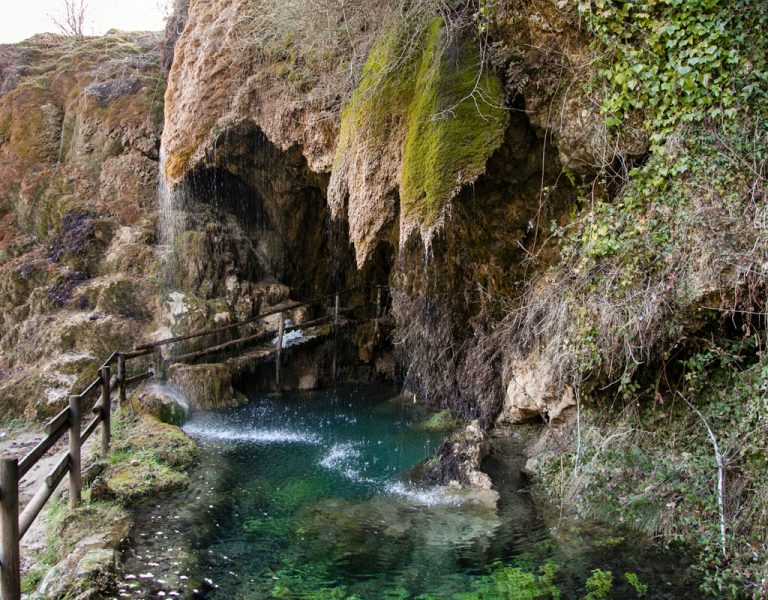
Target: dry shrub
[
  {"x": 683, "y": 244},
  {"x": 323, "y": 44}
]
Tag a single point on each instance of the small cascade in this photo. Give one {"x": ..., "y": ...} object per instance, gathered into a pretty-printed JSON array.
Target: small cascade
[
  {"x": 171, "y": 207},
  {"x": 169, "y": 392}
]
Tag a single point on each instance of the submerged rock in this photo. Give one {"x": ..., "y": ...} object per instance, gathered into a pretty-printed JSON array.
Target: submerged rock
[
  {"x": 457, "y": 463},
  {"x": 386, "y": 532}
]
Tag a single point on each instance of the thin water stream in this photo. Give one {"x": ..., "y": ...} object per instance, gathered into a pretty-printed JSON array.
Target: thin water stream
[{"x": 307, "y": 496}]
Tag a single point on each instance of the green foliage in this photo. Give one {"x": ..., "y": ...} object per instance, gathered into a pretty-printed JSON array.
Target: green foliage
[
  {"x": 383, "y": 94},
  {"x": 656, "y": 253},
  {"x": 659, "y": 474},
  {"x": 484, "y": 17},
  {"x": 599, "y": 585},
  {"x": 627, "y": 262},
  {"x": 679, "y": 61},
  {"x": 637, "y": 585},
  {"x": 31, "y": 579},
  {"x": 522, "y": 579},
  {"x": 515, "y": 583},
  {"x": 269, "y": 526}
]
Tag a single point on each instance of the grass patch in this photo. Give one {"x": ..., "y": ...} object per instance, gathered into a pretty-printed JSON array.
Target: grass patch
[
  {"x": 12, "y": 425},
  {"x": 148, "y": 457},
  {"x": 444, "y": 420}
]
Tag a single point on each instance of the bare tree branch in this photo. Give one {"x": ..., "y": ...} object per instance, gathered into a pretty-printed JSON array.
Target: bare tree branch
[{"x": 72, "y": 21}]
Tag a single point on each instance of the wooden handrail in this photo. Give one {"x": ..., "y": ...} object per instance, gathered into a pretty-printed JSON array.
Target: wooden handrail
[
  {"x": 112, "y": 358},
  {"x": 242, "y": 323},
  {"x": 15, "y": 523},
  {"x": 58, "y": 422},
  {"x": 30, "y": 460},
  {"x": 90, "y": 428},
  {"x": 92, "y": 387},
  {"x": 43, "y": 494},
  {"x": 244, "y": 340}
]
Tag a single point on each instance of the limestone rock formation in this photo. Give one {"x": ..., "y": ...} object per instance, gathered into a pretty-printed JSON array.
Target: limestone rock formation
[
  {"x": 440, "y": 194},
  {"x": 205, "y": 386},
  {"x": 80, "y": 122},
  {"x": 458, "y": 460},
  {"x": 532, "y": 392}
]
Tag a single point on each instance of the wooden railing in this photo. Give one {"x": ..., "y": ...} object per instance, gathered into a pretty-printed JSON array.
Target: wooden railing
[{"x": 14, "y": 524}]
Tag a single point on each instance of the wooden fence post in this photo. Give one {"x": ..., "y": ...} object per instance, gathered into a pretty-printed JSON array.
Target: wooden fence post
[
  {"x": 10, "y": 576},
  {"x": 75, "y": 475},
  {"x": 106, "y": 409},
  {"x": 336, "y": 312},
  {"x": 278, "y": 358},
  {"x": 121, "y": 378}
]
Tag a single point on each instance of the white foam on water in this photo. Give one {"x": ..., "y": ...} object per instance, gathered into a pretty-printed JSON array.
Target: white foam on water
[
  {"x": 252, "y": 436},
  {"x": 296, "y": 334},
  {"x": 341, "y": 458},
  {"x": 339, "y": 455},
  {"x": 342, "y": 418},
  {"x": 423, "y": 496}
]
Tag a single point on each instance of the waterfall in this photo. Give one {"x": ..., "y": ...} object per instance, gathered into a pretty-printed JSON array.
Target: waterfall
[{"x": 170, "y": 207}]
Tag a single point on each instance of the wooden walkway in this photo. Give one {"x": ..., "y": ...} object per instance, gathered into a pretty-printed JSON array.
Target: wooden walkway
[{"x": 15, "y": 521}]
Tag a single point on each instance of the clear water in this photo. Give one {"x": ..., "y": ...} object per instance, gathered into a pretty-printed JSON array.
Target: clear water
[{"x": 310, "y": 492}]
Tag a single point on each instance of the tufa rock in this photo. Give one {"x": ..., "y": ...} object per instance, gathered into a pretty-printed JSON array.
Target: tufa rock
[{"x": 532, "y": 392}]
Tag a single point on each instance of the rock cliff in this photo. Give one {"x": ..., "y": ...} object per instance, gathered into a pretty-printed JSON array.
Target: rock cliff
[
  {"x": 80, "y": 124},
  {"x": 444, "y": 167},
  {"x": 569, "y": 217}
]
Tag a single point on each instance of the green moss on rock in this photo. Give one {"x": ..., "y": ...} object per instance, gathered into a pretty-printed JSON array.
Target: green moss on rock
[
  {"x": 123, "y": 298},
  {"x": 444, "y": 420},
  {"x": 439, "y": 96},
  {"x": 147, "y": 458},
  {"x": 455, "y": 123},
  {"x": 383, "y": 95}
]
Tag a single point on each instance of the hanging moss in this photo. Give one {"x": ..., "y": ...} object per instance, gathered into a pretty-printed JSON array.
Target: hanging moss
[
  {"x": 455, "y": 123},
  {"x": 437, "y": 95},
  {"x": 383, "y": 95}
]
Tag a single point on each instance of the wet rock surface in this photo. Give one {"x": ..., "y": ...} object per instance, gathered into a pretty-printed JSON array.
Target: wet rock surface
[{"x": 457, "y": 462}]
